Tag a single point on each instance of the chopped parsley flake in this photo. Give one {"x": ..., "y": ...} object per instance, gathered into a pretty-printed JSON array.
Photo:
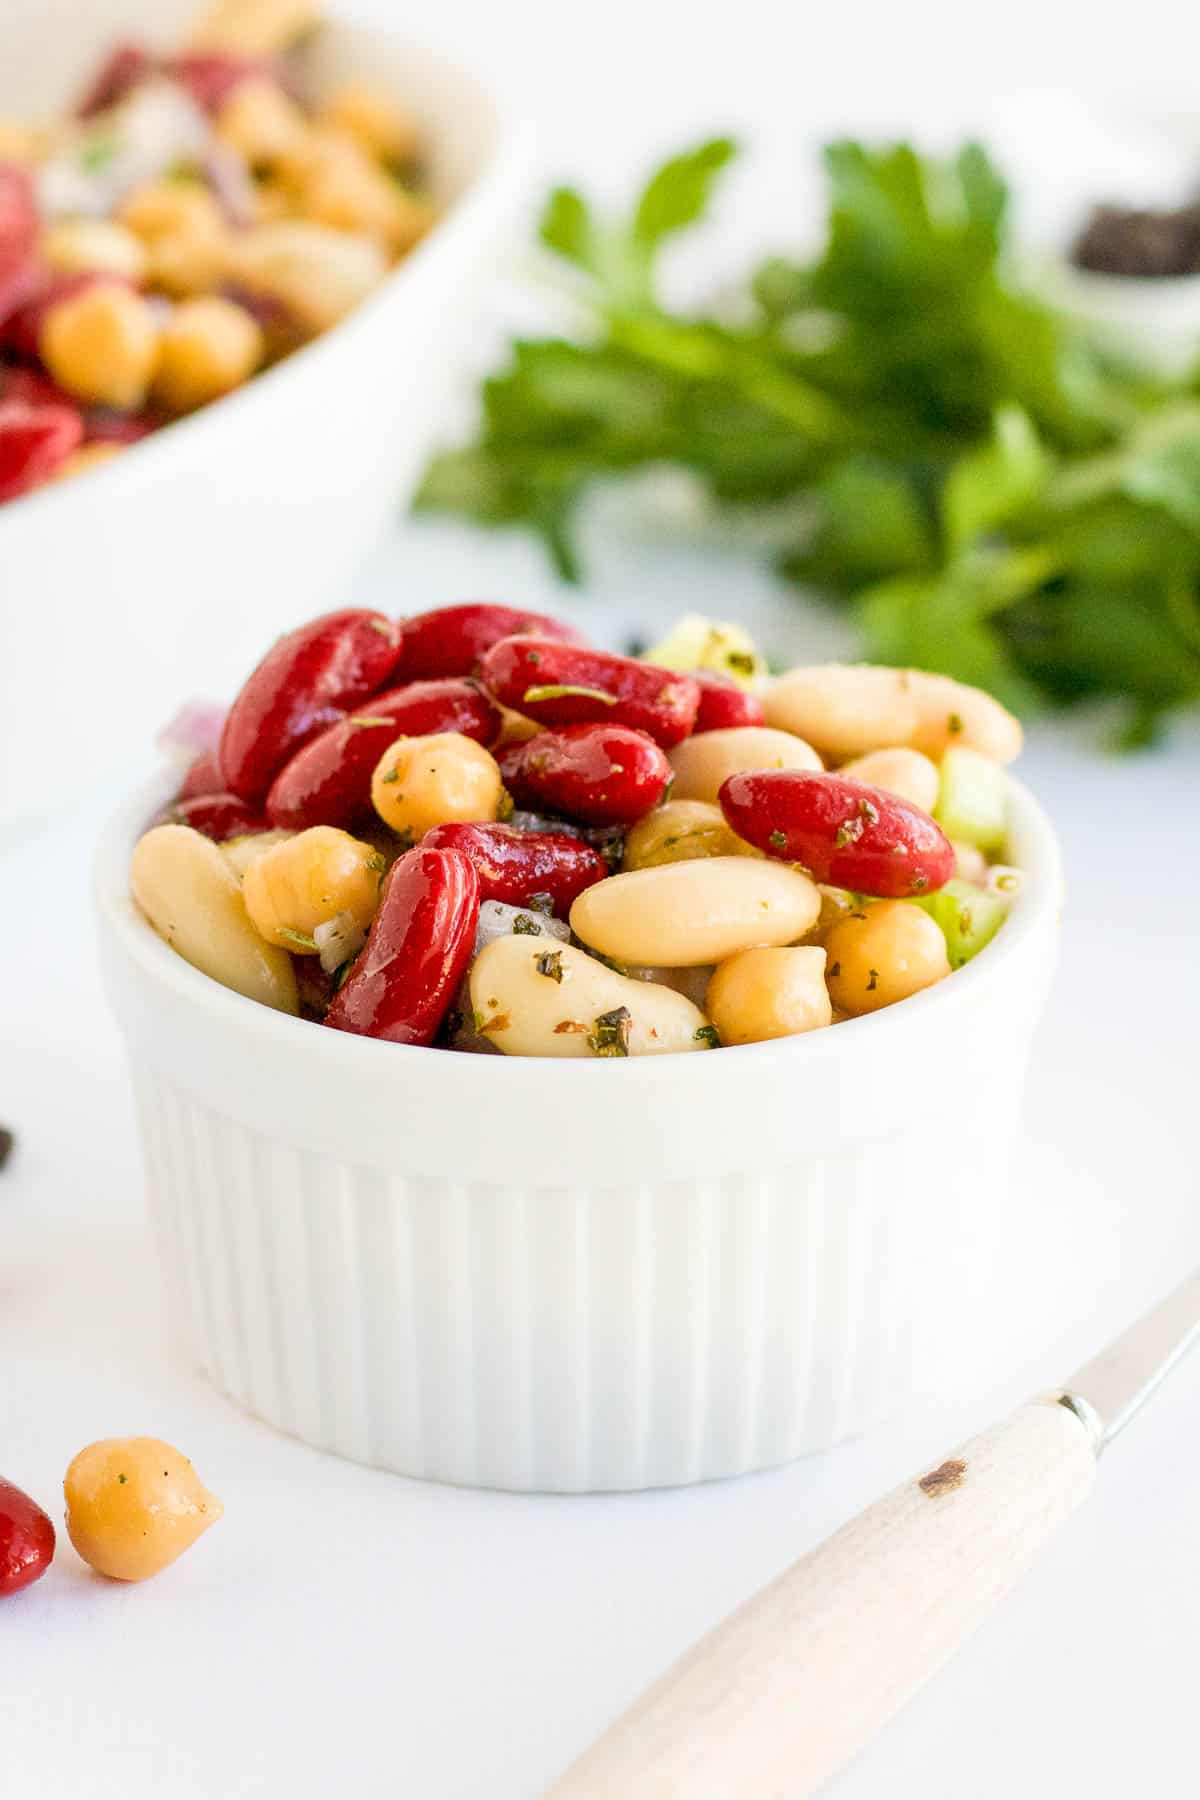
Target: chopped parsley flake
[
  {"x": 612, "y": 1032},
  {"x": 778, "y": 840},
  {"x": 524, "y": 926},
  {"x": 707, "y": 1034},
  {"x": 550, "y": 965}
]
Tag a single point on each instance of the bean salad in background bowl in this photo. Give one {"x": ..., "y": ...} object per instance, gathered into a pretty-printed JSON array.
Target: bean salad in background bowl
[
  {"x": 239, "y": 256},
  {"x": 365, "y": 949}
]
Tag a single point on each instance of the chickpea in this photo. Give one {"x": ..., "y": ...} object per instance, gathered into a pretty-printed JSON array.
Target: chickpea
[
  {"x": 134, "y": 1505},
  {"x": 101, "y": 345},
  {"x": 20, "y": 143},
  {"x": 883, "y": 954},
  {"x": 262, "y": 123},
  {"x": 295, "y": 886},
  {"x": 702, "y": 763},
  {"x": 678, "y": 832},
  {"x": 836, "y": 902},
  {"x": 192, "y": 898},
  {"x": 445, "y": 778},
  {"x": 898, "y": 771},
  {"x": 77, "y": 245},
  {"x": 682, "y": 914},
  {"x": 207, "y": 347},
  {"x": 88, "y": 456},
  {"x": 534, "y": 998},
  {"x": 340, "y": 186},
  {"x": 253, "y": 27},
  {"x": 949, "y": 712},
  {"x": 376, "y": 121},
  {"x": 317, "y": 274},
  {"x": 187, "y": 263},
  {"x": 241, "y": 852},
  {"x": 164, "y": 209},
  {"x": 769, "y": 993},
  {"x": 273, "y": 200},
  {"x": 844, "y": 709}
]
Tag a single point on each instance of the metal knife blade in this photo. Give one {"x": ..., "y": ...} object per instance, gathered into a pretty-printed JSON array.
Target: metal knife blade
[{"x": 1107, "y": 1391}]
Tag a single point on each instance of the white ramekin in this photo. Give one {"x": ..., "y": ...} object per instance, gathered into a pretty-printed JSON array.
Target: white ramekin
[
  {"x": 572, "y": 1276},
  {"x": 167, "y": 570}
]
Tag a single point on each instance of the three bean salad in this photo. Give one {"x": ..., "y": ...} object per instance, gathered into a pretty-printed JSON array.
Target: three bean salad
[
  {"x": 198, "y": 216},
  {"x": 470, "y": 829}
]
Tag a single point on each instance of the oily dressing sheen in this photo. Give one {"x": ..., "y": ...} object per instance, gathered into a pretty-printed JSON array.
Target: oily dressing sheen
[
  {"x": 535, "y": 997},
  {"x": 680, "y": 914}
]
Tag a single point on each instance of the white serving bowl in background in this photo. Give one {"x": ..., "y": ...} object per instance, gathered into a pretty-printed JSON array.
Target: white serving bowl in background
[
  {"x": 166, "y": 571},
  {"x": 572, "y": 1276}
]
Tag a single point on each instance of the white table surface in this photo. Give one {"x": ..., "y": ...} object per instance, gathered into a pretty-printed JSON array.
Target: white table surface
[{"x": 345, "y": 1631}]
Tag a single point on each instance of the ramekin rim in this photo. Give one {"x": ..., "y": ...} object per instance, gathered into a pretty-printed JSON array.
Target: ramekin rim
[{"x": 1040, "y": 898}]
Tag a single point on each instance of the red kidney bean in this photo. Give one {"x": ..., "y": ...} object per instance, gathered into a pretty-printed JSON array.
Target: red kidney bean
[
  {"x": 210, "y": 76},
  {"x": 305, "y": 682},
  {"x": 452, "y": 639},
  {"x": 26, "y": 1539},
  {"x": 724, "y": 705},
  {"x": 514, "y": 865},
  {"x": 22, "y": 328},
  {"x": 843, "y": 831},
  {"x": 416, "y": 952},
  {"x": 562, "y": 684},
  {"x": 19, "y": 221},
  {"x": 203, "y": 777},
  {"x": 601, "y": 774},
  {"x": 216, "y": 816},
  {"x": 34, "y": 387},
  {"x": 122, "y": 69},
  {"x": 328, "y": 782},
  {"x": 102, "y": 426},
  {"x": 34, "y": 442}
]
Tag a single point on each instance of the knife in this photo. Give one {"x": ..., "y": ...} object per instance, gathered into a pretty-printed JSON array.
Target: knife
[{"x": 789, "y": 1687}]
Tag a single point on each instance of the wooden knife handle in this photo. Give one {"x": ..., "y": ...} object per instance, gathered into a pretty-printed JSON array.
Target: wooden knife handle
[{"x": 788, "y": 1688}]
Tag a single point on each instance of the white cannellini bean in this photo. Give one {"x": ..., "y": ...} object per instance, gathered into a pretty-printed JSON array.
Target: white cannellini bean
[
  {"x": 844, "y": 709},
  {"x": 847, "y": 709},
  {"x": 949, "y": 712},
  {"x": 534, "y": 998},
  {"x": 187, "y": 890},
  {"x": 898, "y": 771},
  {"x": 702, "y": 763},
  {"x": 686, "y": 913},
  {"x": 769, "y": 993}
]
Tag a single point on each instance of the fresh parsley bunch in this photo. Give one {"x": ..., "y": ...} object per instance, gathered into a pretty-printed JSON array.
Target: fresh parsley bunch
[{"x": 993, "y": 492}]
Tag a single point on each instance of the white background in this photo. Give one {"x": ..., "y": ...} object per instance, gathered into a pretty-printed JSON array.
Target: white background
[{"x": 347, "y": 1631}]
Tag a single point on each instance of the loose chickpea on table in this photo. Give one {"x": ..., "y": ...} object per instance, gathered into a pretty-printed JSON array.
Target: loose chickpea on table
[
  {"x": 424, "y": 870},
  {"x": 197, "y": 217}
]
